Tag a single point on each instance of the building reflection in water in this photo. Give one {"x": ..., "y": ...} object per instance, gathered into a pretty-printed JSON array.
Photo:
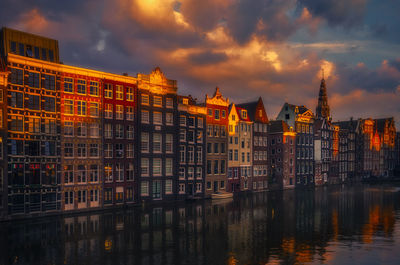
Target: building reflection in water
[{"x": 290, "y": 227}]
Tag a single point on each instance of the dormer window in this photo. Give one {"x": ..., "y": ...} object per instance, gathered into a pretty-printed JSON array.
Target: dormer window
[
  {"x": 233, "y": 117},
  {"x": 244, "y": 114},
  {"x": 185, "y": 101}
]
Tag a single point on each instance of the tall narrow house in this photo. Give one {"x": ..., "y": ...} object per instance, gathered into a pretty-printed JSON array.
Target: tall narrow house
[{"x": 217, "y": 142}]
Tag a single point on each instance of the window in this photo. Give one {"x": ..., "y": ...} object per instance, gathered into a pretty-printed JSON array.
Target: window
[
  {"x": 49, "y": 82},
  {"x": 81, "y": 129},
  {"x": 129, "y": 94},
  {"x": 119, "y": 150},
  {"x": 94, "y": 88},
  {"x": 68, "y": 174},
  {"x": 182, "y": 120},
  {"x": 157, "y": 165},
  {"x": 199, "y": 173},
  {"x": 157, "y": 143},
  {"x": 119, "y": 172},
  {"x": 145, "y": 116},
  {"x": 94, "y": 109},
  {"x": 130, "y": 172},
  {"x": 81, "y": 110},
  {"x": 44, "y": 54},
  {"x": 209, "y": 168},
  {"x": 93, "y": 173},
  {"x": 34, "y": 80},
  {"x": 216, "y": 167},
  {"x": 129, "y": 132},
  {"x": 169, "y": 103},
  {"x": 182, "y": 154},
  {"x": 200, "y": 122},
  {"x": 145, "y": 99},
  {"x": 108, "y": 172},
  {"x": 157, "y": 101},
  {"x": 190, "y": 173},
  {"x": 108, "y": 131},
  {"x": 144, "y": 167},
  {"x": 68, "y": 150},
  {"x": 169, "y": 118},
  {"x": 209, "y": 112},
  {"x": 169, "y": 143},
  {"x": 129, "y": 151},
  {"x": 181, "y": 173},
  {"x": 94, "y": 150},
  {"x": 191, "y": 121},
  {"x": 119, "y": 131},
  {"x": 223, "y": 114},
  {"x": 157, "y": 118},
  {"x": 108, "y": 150},
  {"x": 182, "y": 188},
  {"x": 82, "y": 150},
  {"x": 129, "y": 113},
  {"x": 68, "y": 126},
  {"x": 119, "y": 92},
  {"x": 34, "y": 125},
  {"x": 144, "y": 188},
  {"x": 49, "y": 104},
  {"x": 145, "y": 142},
  {"x": 168, "y": 186},
  {"x": 209, "y": 148},
  {"x": 190, "y": 154},
  {"x": 68, "y": 106},
  {"x": 244, "y": 114},
  {"x": 119, "y": 112},
  {"x": 16, "y": 124},
  {"x": 81, "y": 87},
  {"x": 182, "y": 135},
  {"x": 216, "y": 114},
  {"x": 199, "y": 136},
  {"x": 94, "y": 130},
  {"x": 51, "y": 56},
  {"x": 216, "y": 148},
  {"x": 190, "y": 136},
  {"x": 17, "y": 100},
  {"x": 199, "y": 154},
  {"x": 17, "y": 76},
  {"x": 168, "y": 167},
  {"x": 222, "y": 167},
  {"x": 108, "y": 90},
  {"x": 69, "y": 197}
]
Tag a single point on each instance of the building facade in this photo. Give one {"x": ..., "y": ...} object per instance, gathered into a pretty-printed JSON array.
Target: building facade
[
  {"x": 217, "y": 142},
  {"x": 192, "y": 148},
  {"x": 3, "y": 139}
]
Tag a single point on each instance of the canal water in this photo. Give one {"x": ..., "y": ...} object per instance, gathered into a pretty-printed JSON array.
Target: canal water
[{"x": 336, "y": 225}]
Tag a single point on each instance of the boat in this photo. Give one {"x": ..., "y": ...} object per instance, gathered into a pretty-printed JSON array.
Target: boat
[{"x": 218, "y": 196}]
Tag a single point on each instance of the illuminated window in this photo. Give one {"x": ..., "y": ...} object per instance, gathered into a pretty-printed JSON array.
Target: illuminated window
[
  {"x": 200, "y": 122},
  {"x": 168, "y": 167},
  {"x": 68, "y": 85},
  {"x": 119, "y": 112},
  {"x": 129, "y": 94},
  {"x": 145, "y": 99},
  {"x": 108, "y": 172},
  {"x": 185, "y": 101},
  {"x": 157, "y": 117},
  {"x": 129, "y": 113},
  {"x": 169, "y": 103},
  {"x": 81, "y": 87},
  {"x": 108, "y": 90},
  {"x": 94, "y": 88},
  {"x": 68, "y": 128},
  {"x": 157, "y": 101},
  {"x": 145, "y": 142},
  {"x": 94, "y": 109},
  {"x": 199, "y": 136},
  {"x": 157, "y": 143},
  {"x": 68, "y": 106},
  {"x": 169, "y": 139},
  {"x": 50, "y": 126},
  {"x": 144, "y": 167},
  {"x": 16, "y": 123},
  {"x": 169, "y": 118},
  {"x": 244, "y": 114},
  {"x": 81, "y": 110},
  {"x": 34, "y": 125},
  {"x": 145, "y": 116},
  {"x": 119, "y": 92}
]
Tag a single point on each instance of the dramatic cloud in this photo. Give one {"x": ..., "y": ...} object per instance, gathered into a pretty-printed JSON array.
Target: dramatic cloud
[{"x": 276, "y": 49}]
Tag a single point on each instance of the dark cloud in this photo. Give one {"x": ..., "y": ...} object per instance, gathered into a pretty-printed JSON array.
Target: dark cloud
[
  {"x": 346, "y": 13},
  {"x": 208, "y": 57}
]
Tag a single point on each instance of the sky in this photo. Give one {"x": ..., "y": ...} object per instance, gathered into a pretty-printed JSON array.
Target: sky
[{"x": 275, "y": 49}]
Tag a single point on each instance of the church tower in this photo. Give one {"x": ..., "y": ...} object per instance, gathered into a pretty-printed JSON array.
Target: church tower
[{"x": 323, "y": 111}]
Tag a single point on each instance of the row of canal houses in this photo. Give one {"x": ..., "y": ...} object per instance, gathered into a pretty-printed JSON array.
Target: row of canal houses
[{"x": 76, "y": 139}]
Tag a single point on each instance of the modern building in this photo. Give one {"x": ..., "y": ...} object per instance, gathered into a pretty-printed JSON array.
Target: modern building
[
  {"x": 302, "y": 120},
  {"x": 3, "y": 139},
  {"x": 192, "y": 148},
  {"x": 282, "y": 155},
  {"x": 217, "y": 142},
  {"x": 258, "y": 115},
  {"x": 157, "y": 115},
  {"x": 240, "y": 155},
  {"x": 33, "y": 129}
]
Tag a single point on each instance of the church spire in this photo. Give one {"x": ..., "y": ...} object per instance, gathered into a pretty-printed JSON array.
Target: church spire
[{"x": 323, "y": 107}]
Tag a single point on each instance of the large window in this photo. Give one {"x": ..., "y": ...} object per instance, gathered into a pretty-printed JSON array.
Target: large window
[
  {"x": 34, "y": 125},
  {"x": 81, "y": 129},
  {"x": 68, "y": 150},
  {"x": 169, "y": 103},
  {"x": 119, "y": 172},
  {"x": 199, "y": 154},
  {"x": 68, "y": 106},
  {"x": 182, "y": 154},
  {"x": 94, "y": 150},
  {"x": 81, "y": 150},
  {"x": 81, "y": 87},
  {"x": 157, "y": 165},
  {"x": 108, "y": 150},
  {"x": 156, "y": 189},
  {"x": 93, "y": 173},
  {"x": 129, "y": 132},
  {"x": 129, "y": 94},
  {"x": 49, "y": 82},
  {"x": 157, "y": 143},
  {"x": 129, "y": 113},
  {"x": 144, "y": 168},
  {"x": 94, "y": 88},
  {"x": 119, "y": 150},
  {"x": 145, "y": 99},
  {"x": 49, "y": 104},
  {"x": 34, "y": 80},
  {"x": 94, "y": 109},
  {"x": 68, "y": 128},
  {"x": 68, "y": 85},
  {"x": 168, "y": 167},
  {"x": 182, "y": 120},
  {"x": 130, "y": 172},
  {"x": 145, "y": 116},
  {"x": 81, "y": 110},
  {"x": 190, "y": 154},
  {"x": 17, "y": 76},
  {"x": 108, "y": 111},
  {"x": 16, "y": 100},
  {"x": 16, "y": 123},
  {"x": 33, "y": 102},
  {"x": 157, "y": 117},
  {"x": 108, "y": 90},
  {"x": 119, "y": 92},
  {"x": 144, "y": 188},
  {"x": 129, "y": 151},
  {"x": 168, "y": 186},
  {"x": 169, "y": 143},
  {"x": 94, "y": 130},
  {"x": 145, "y": 142},
  {"x": 108, "y": 172},
  {"x": 119, "y": 112},
  {"x": 68, "y": 174},
  {"x": 169, "y": 118},
  {"x": 157, "y": 101},
  {"x": 108, "y": 131}
]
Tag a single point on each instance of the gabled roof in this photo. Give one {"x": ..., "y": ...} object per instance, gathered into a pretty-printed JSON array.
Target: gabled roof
[
  {"x": 302, "y": 109},
  {"x": 251, "y": 108},
  {"x": 350, "y": 125},
  {"x": 240, "y": 114},
  {"x": 278, "y": 126}
]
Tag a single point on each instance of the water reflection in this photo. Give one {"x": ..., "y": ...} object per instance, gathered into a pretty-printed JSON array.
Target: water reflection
[{"x": 335, "y": 225}]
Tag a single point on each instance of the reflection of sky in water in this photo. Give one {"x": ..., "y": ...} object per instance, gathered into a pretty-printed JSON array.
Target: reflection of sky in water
[{"x": 339, "y": 225}]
